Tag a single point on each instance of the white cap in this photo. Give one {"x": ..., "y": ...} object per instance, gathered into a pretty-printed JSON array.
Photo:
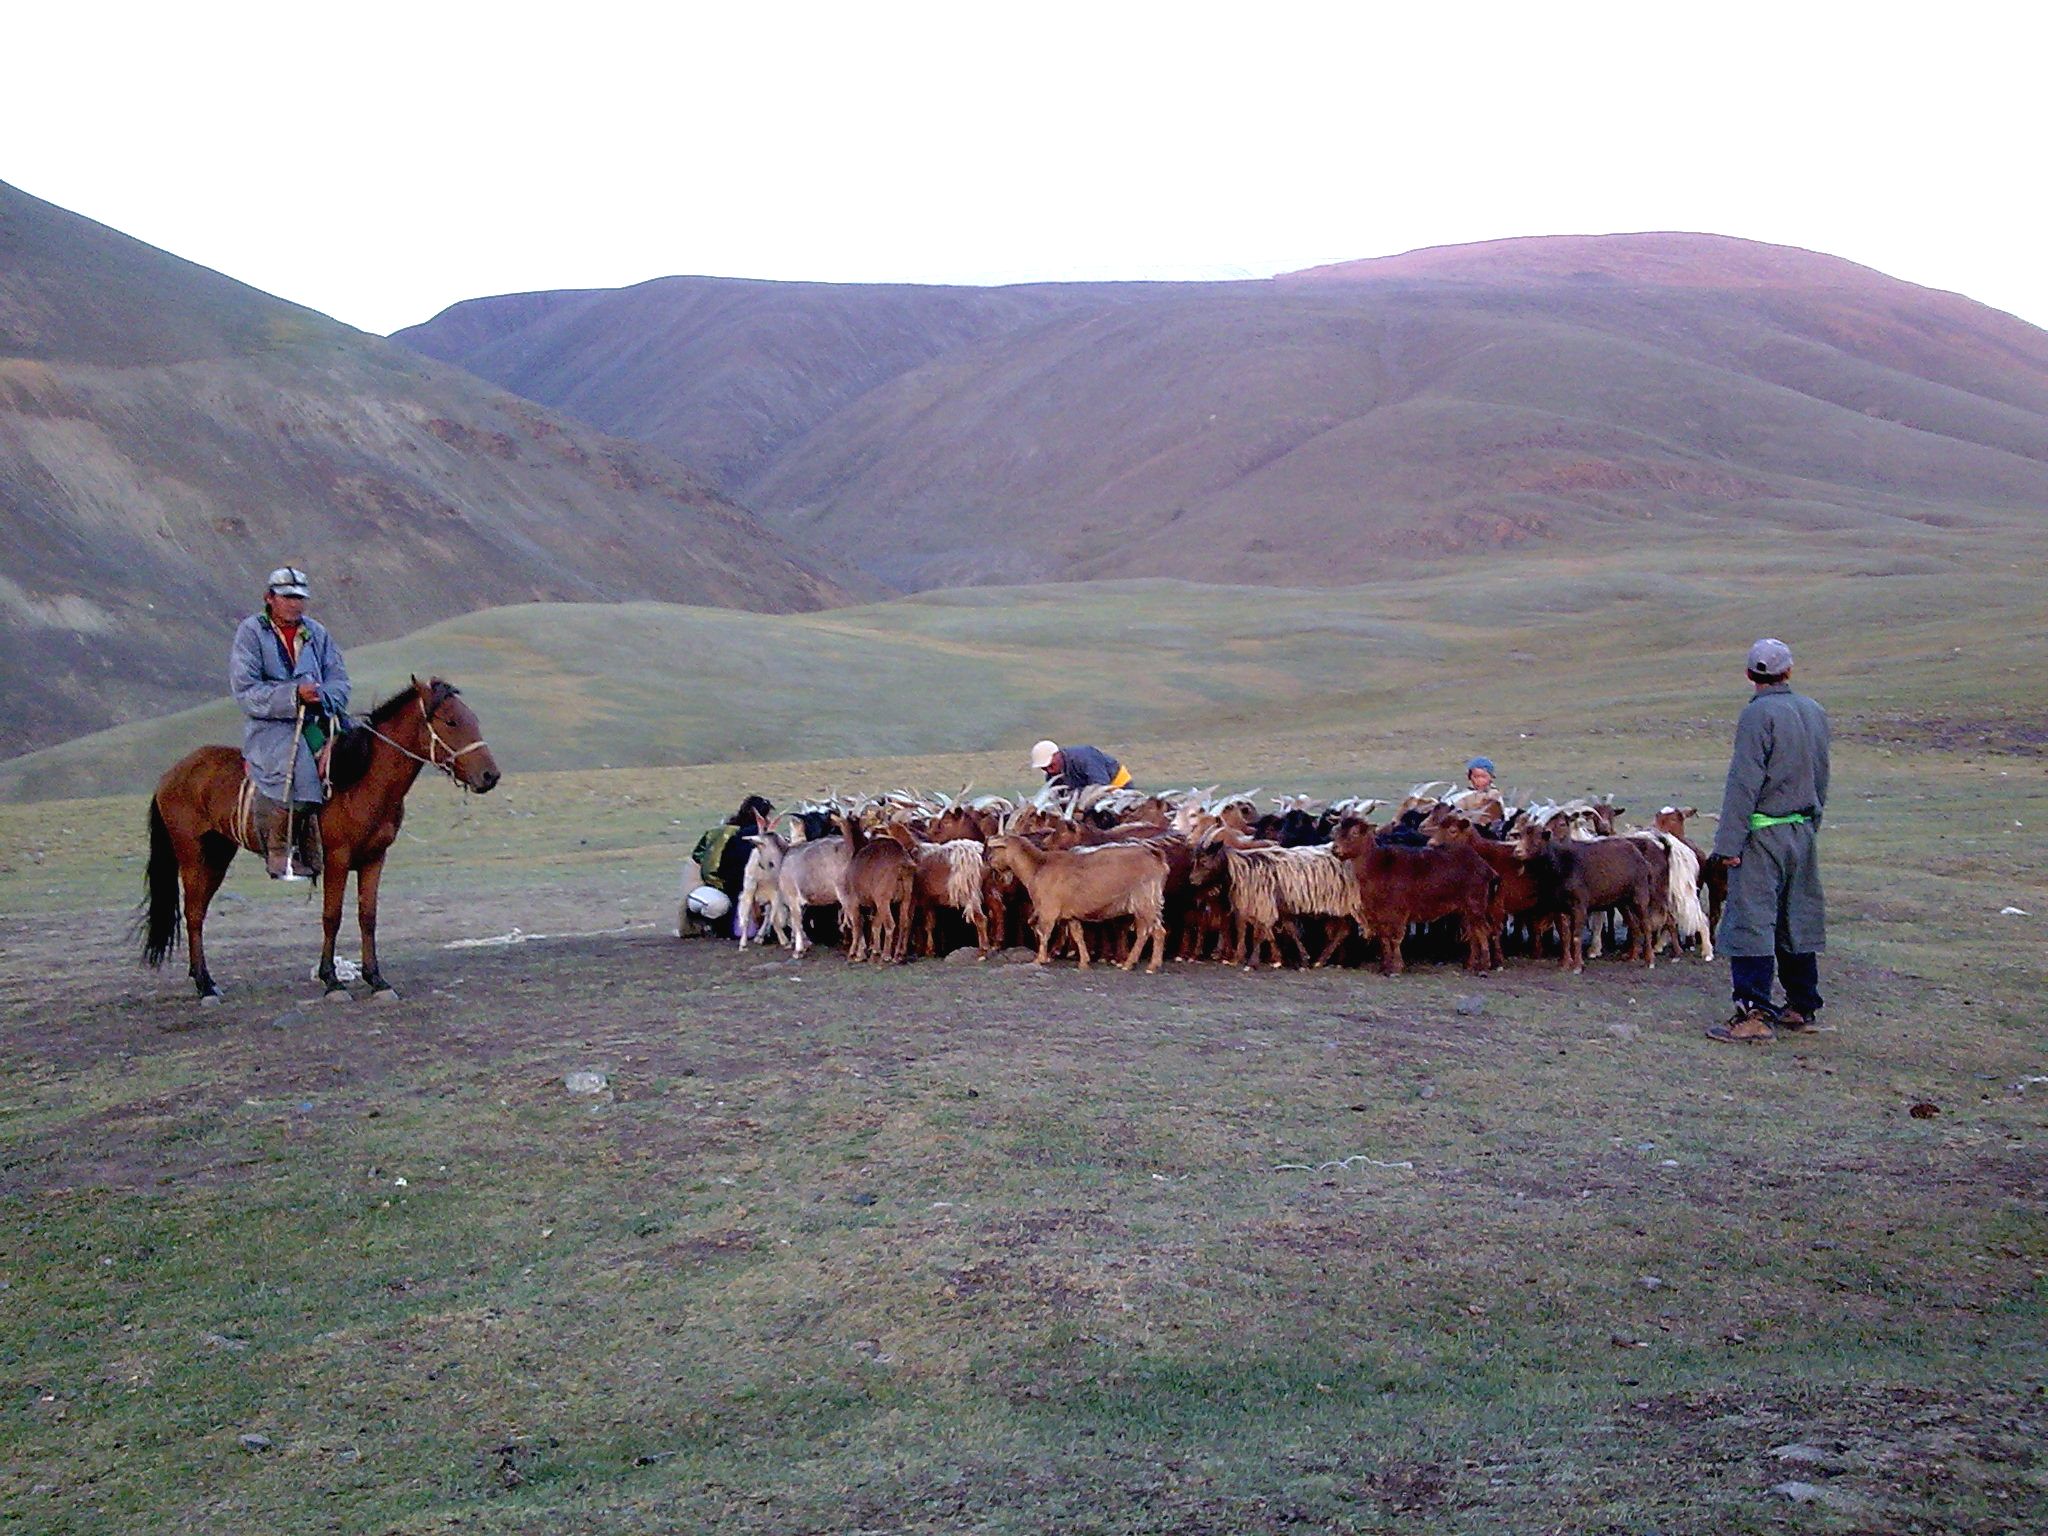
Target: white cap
[
  {"x": 1770, "y": 658},
  {"x": 1042, "y": 753},
  {"x": 288, "y": 581}
]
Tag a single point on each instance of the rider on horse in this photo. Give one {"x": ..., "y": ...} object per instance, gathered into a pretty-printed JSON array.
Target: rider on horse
[{"x": 284, "y": 663}]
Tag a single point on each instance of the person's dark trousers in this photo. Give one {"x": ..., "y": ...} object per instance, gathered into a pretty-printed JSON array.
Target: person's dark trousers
[{"x": 1751, "y": 976}]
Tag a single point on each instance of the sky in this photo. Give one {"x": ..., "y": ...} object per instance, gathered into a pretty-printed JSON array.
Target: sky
[{"x": 379, "y": 161}]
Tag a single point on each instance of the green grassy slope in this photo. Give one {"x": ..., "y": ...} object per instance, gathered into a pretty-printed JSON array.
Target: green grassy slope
[{"x": 1495, "y": 650}]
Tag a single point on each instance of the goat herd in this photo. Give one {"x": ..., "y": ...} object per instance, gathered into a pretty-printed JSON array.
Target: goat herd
[{"x": 1206, "y": 878}]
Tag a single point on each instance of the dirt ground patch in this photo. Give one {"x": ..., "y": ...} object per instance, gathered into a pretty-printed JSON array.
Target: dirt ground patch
[{"x": 986, "y": 1247}]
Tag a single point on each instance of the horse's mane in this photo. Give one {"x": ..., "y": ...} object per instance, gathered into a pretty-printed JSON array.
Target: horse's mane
[{"x": 351, "y": 758}]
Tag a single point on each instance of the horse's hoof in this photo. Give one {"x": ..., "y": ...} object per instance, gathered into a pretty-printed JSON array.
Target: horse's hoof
[
  {"x": 337, "y": 995},
  {"x": 384, "y": 995}
]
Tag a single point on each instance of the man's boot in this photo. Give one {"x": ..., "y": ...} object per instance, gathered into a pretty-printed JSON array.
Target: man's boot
[
  {"x": 274, "y": 833},
  {"x": 311, "y": 859}
]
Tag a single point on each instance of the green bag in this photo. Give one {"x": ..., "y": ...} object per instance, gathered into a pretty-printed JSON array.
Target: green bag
[{"x": 710, "y": 851}]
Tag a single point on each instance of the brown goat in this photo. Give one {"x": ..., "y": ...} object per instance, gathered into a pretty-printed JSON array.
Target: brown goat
[
  {"x": 1083, "y": 885},
  {"x": 1583, "y": 877},
  {"x": 945, "y": 875},
  {"x": 875, "y": 895},
  {"x": 1519, "y": 895},
  {"x": 1400, "y": 886}
]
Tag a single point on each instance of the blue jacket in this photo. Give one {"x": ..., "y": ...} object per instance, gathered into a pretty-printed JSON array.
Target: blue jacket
[
  {"x": 1082, "y": 766},
  {"x": 266, "y": 685}
]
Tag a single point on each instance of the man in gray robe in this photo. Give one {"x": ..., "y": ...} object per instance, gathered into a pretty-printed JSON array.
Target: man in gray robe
[
  {"x": 280, "y": 664},
  {"x": 1776, "y": 915}
]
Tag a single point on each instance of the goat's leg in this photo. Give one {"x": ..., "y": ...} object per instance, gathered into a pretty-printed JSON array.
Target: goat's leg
[
  {"x": 1478, "y": 943},
  {"x": 1080, "y": 940},
  {"x": 905, "y": 920},
  {"x": 1157, "y": 935},
  {"x": 1392, "y": 934}
]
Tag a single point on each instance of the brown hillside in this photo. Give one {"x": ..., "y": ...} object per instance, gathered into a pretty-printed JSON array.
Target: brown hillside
[
  {"x": 1319, "y": 425},
  {"x": 167, "y": 435}
]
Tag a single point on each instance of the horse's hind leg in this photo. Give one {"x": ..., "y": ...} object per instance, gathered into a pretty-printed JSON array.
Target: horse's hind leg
[
  {"x": 367, "y": 879},
  {"x": 202, "y": 876}
]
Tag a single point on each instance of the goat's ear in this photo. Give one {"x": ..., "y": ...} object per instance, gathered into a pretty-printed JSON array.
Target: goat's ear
[{"x": 1690, "y": 810}]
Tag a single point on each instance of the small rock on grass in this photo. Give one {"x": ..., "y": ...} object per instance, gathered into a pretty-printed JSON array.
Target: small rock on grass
[
  {"x": 1812, "y": 1460},
  {"x": 257, "y": 1443},
  {"x": 1800, "y": 1453},
  {"x": 584, "y": 1082},
  {"x": 1799, "y": 1493},
  {"x": 1470, "y": 1007},
  {"x": 966, "y": 954}
]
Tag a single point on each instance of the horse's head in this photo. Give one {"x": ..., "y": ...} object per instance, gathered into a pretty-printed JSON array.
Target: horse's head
[{"x": 455, "y": 739}]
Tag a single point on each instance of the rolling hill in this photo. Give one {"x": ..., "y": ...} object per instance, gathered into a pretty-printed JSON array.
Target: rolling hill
[
  {"x": 1508, "y": 651},
  {"x": 1313, "y": 428},
  {"x": 167, "y": 435}
]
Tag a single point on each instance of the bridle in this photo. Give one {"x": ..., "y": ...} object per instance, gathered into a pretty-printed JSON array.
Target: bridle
[{"x": 434, "y": 741}]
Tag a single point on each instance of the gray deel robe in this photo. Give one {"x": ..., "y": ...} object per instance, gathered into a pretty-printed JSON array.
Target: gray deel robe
[
  {"x": 1779, "y": 768},
  {"x": 266, "y": 686}
]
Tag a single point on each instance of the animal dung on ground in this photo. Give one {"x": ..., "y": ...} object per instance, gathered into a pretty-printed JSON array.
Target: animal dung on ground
[{"x": 1924, "y": 1110}]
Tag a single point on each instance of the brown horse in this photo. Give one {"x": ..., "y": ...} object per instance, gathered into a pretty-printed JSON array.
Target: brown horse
[{"x": 192, "y": 819}]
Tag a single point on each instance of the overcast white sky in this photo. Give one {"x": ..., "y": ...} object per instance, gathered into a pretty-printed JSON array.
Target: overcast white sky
[{"x": 380, "y": 161}]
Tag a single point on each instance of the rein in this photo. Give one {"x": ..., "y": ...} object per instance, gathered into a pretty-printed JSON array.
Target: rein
[{"x": 455, "y": 754}]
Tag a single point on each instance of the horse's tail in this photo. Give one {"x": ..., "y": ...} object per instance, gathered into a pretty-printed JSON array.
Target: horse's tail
[{"x": 157, "y": 917}]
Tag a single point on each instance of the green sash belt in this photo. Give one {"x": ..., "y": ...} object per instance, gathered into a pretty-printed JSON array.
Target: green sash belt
[{"x": 1758, "y": 820}]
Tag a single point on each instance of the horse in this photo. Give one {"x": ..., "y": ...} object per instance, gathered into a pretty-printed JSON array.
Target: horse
[{"x": 194, "y": 814}]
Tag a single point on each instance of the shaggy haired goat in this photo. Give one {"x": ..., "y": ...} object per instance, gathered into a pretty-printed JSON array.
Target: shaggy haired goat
[
  {"x": 949, "y": 874},
  {"x": 1271, "y": 889}
]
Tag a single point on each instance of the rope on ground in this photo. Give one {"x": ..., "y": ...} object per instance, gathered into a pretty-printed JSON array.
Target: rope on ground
[{"x": 1342, "y": 1162}]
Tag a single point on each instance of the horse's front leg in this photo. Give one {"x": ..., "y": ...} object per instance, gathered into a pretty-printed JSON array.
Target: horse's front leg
[
  {"x": 367, "y": 878},
  {"x": 333, "y": 887}
]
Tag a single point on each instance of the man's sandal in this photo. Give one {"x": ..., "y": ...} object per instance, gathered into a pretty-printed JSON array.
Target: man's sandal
[{"x": 1750, "y": 1026}]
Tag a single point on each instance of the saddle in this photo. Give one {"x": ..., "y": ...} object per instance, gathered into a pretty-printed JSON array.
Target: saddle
[{"x": 256, "y": 814}]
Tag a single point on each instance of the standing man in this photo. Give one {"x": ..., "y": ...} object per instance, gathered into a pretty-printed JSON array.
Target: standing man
[
  {"x": 1078, "y": 767},
  {"x": 282, "y": 662},
  {"x": 1776, "y": 916}
]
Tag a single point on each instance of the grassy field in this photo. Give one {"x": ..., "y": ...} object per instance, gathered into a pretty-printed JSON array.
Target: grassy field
[{"x": 975, "y": 1247}]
